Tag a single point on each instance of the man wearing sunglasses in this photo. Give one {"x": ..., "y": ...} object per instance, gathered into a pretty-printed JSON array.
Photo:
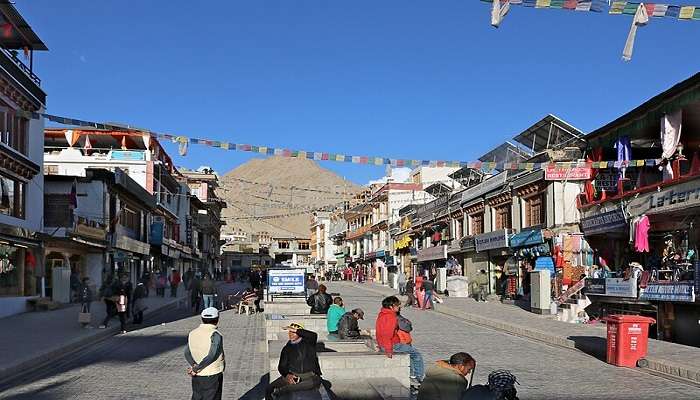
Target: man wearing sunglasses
[{"x": 298, "y": 366}]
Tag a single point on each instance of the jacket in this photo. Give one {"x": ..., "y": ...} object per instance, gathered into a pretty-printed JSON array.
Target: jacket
[
  {"x": 205, "y": 348},
  {"x": 85, "y": 294},
  {"x": 482, "y": 279},
  {"x": 320, "y": 303},
  {"x": 479, "y": 392},
  {"x": 335, "y": 313},
  {"x": 208, "y": 287},
  {"x": 348, "y": 327},
  {"x": 386, "y": 327},
  {"x": 442, "y": 383},
  {"x": 428, "y": 285},
  {"x": 301, "y": 357}
]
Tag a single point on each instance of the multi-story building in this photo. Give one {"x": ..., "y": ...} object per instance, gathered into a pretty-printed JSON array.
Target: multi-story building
[
  {"x": 290, "y": 250},
  {"x": 322, "y": 248},
  {"x": 21, "y": 157}
]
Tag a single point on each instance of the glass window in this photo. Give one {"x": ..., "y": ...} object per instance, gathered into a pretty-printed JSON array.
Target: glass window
[
  {"x": 503, "y": 220},
  {"x": 13, "y": 130},
  {"x": 9, "y": 274},
  {"x": 12, "y": 197}
]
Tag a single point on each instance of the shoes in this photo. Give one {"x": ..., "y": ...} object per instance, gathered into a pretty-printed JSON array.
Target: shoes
[
  {"x": 102, "y": 326},
  {"x": 123, "y": 332}
]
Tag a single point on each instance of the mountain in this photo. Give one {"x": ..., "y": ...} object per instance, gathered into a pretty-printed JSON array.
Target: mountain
[{"x": 276, "y": 195}]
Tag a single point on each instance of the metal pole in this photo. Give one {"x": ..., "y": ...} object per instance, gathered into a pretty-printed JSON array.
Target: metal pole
[{"x": 471, "y": 377}]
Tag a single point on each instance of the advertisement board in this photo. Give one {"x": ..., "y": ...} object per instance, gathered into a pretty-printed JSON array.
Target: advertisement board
[
  {"x": 672, "y": 291},
  {"x": 604, "y": 222},
  {"x": 492, "y": 240},
  {"x": 619, "y": 287},
  {"x": 545, "y": 263},
  {"x": 287, "y": 280},
  {"x": 567, "y": 174},
  {"x": 595, "y": 286}
]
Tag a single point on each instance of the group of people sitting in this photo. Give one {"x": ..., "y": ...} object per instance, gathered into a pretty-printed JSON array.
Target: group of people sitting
[{"x": 338, "y": 321}]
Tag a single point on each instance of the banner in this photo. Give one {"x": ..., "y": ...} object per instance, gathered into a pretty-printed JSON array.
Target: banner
[{"x": 286, "y": 280}]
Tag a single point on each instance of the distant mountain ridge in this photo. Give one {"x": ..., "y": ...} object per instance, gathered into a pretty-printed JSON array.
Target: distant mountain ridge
[{"x": 279, "y": 186}]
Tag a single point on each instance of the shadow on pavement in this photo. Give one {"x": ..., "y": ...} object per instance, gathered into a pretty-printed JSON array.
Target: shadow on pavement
[
  {"x": 257, "y": 392},
  {"x": 48, "y": 392},
  {"x": 595, "y": 346}
]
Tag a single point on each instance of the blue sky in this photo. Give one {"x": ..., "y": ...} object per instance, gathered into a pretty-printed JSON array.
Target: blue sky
[{"x": 401, "y": 79}]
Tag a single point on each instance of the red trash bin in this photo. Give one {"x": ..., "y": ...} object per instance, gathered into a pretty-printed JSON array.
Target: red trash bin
[{"x": 628, "y": 338}]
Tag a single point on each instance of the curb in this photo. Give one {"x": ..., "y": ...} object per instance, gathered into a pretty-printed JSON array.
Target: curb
[
  {"x": 10, "y": 372},
  {"x": 661, "y": 366}
]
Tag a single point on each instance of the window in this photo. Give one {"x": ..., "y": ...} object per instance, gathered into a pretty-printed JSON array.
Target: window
[
  {"x": 303, "y": 245},
  {"x": 57, "y": 211},
  {"x": 13, "y": 130},
  {"x": 50, "y": 169},
  {"x": 12, "y": 200},
  {"x": 131, "y": 220},
  {"x": 476, "y": 224},
  {"x": 535, "y": 210},
  {"x": 503, "y": 220},
  {"x": 283, "y": 244}
]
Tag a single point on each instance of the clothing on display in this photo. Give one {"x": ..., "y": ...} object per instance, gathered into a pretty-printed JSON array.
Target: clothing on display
[
  {"x": 641, "y": 234},
  {"x": 624, "y": 151}
]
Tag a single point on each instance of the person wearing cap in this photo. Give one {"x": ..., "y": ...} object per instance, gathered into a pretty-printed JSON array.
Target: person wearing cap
[
  {"x": 501, "y": 386},
  {"x": 298, "y": 365},
  {"x": 348, "y": 327},
  {"x": 335, "y": 313},
  {"x": 445, "y": 380},
  {"x": 205, "y": 355}
]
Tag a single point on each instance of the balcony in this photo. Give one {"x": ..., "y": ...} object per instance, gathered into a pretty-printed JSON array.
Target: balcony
[{"x": 22, "y": 74}]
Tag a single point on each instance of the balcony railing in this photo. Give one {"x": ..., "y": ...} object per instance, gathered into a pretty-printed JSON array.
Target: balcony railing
[
  {"x": 13, "y": 56},
  {"x": 22, "y": 74}
]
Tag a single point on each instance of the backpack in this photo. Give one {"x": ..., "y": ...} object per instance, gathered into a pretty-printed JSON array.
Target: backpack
[{"x": 404, "y": 324}]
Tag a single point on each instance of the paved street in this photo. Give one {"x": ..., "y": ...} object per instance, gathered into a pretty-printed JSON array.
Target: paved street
[{"x": 149, "y": 364}]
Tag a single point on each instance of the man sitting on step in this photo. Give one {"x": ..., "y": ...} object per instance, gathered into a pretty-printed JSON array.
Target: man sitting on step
[{"x": 298, "y": 365}]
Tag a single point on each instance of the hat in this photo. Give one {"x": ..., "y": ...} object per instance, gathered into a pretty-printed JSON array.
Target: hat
[
  {"x": 359, "y": 312},
  {"x": 501, "y": 380},
  {"x": 210, "y": 313},
  {"x": 296, "y": 325}
]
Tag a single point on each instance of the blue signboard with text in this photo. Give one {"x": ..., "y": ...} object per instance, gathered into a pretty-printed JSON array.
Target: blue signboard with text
[{"x": 286, "y": 280}]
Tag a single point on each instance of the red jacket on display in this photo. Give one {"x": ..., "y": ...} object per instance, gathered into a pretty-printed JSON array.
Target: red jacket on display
[{"x": 387, "y": 325}]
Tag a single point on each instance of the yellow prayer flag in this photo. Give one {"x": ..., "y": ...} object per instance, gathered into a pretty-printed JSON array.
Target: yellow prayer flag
[
  {"x": 543, "y": 3},
  {"x": 687, "y": 12},
  {"x": 262, "y": 149}
]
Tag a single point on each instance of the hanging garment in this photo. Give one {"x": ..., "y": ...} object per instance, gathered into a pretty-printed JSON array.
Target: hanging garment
[
  {"x": 633, "y": 229},
  {"x": 641, "y": 18},
  {"x": 498, "y": 12},
  {"x": 624, "y": 152},
  {"x": 670, "y": 136},
  {"x": 641, "y": 243}
]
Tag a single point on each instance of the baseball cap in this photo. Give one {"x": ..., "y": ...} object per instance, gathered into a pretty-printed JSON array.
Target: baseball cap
[
  {"x": 296, "y": 325},
  {"x": 359, "y": 312},
  {"x": 210, "y": 312}
]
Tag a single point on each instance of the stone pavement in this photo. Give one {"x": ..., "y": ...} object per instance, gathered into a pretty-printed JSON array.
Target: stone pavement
[
  {"x": 545, "y": 371},
  {"x": 664, "y": 357},
  {"x": 29, "y": 339}
]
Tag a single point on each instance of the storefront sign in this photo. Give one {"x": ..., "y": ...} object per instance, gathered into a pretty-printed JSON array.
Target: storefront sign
[
  {"x": 604, "y": 222},
  {"x": 607, "y": 179},
  {"x": 405, "y": 223},
  {"x": 432, "y": 253},
  {"x": 468, "y": 244},
  {"x": 188, "y": 230},
  {"x": 132, "y": 245},
  {"x": 381, "y": 254},
  {"x": 697, "y": 276},
  {"x": 428, "y": 209},
  {"x": 681, "y": 292},
  {"x": 526, "y": 238},
  {"x": 128, "y": 155},
  {"x": 567, "y": 174},
  {"x": 595, "y": 286},
  {"x": 90, "y": 232},
  {"x": 286, "y": 280},
  {"x": 156, "y": 233},
  {"x": 545, "y": 263},
  {"x": 402, "y": 243},
  {"x": 492, "y": 240},
  {"x": 671, "y": 198},
  {"x": 484, "y": 187},
  {"x": 619, "y": 287}
]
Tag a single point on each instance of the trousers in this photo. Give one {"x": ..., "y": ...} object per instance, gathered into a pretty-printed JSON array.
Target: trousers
[
  {"x": 207, "y": 387},
  {"x": 308, "y": 381}
]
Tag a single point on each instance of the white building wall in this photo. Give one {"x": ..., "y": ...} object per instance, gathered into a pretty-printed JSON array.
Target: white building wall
[
  {"x": 564, "y": 198},
  {"x": 72, "y": 162}
]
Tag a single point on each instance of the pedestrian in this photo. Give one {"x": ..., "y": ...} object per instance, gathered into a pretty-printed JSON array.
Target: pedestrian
[
  {"x": 320, "y": 301},
  {"x": 335, "y": 313},
  {"x": 205, "y": 355},
  {"x": 388, "y": 340},
  {"x": 298, "y": 366},
  {"x": 195, "y": 293},
  {"x": 121, "y": 300},
  {"x": 428, "y": 287},
  {"x": 107, "y": 292},
  {"x": 348, "y": 326},
  {"x": 410, "y": 287},
  {"x": 85, "y": 298},
  {"x": 208, "y": 289},
  {"x": 161, "y": 282},
  {"x": 482, "y": 282},
  {"x": 311, "y": 286},
  {"x": 402, "y": 282},
  {"x": 174, "y": 280},
  {"x": 187, "y": 277},
  {"x": 446, "y": 379},
  {"x": 74, "y": 285},
  {"x": 501, "y": 386},
  {"x": 137, "y": 303},
  {"x": 146, "y": 280}
]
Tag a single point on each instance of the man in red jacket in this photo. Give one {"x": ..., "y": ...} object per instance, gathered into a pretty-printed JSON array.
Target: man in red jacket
[{"x": 388, "y": 340}]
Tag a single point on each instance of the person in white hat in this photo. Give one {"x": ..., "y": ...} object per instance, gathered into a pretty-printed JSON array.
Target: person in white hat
[{"x": 205, "y": 355}]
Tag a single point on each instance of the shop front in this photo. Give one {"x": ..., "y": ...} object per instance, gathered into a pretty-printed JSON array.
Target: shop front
[
  {"x": 20, "y": 273},
  {"x": 131, "y": 257},
  {"x": 527, "y": 246},
  {"x": 495, "y": 246},
  {"x": 430, "y": 258}
]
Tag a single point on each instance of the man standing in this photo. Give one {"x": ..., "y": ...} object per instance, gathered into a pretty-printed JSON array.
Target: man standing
[
  {"x": 311, "y": 286},
  {"x": 482, "y": 282},
  {"x": 388, "y": 339},
  {"x": 205, "y": 355},
  {"x": 208, "y": 291},
  {"x": 446, "y": 379},
  {"x": 174, "y": 282},
  {"x": 320, "y": 301},
  {"x": 298, "y": 365},
  {"x": 348, "y": 327},
  {"x": 401, "y": 280}
]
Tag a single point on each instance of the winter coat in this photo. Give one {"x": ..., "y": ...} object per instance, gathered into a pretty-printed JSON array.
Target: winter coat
[
  {"x": 320, "y": 303},
  {"x": 335, "y": 313},
  {"x": 442, "y": 383},
  {"x": 348, "y": 327},
  {"x": 137, "y": 301},
  {"x": 208, "y": 287},
  {"x": 301, "y": 357},
  {"x": 386, "y": 327},
  {"x": 482, "y": 280}
]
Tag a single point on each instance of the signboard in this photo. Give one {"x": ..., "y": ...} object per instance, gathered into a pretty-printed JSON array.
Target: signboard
[
  {"x": 432, "y": 253},
  {"x": 402, "y": 243},
  {"x": 604, "y": 222},
  {"x": 567, "y": 174},
  {"x": 132, "y": 245},
  {"x": 571, "y": 291},
  {"x": 697, "y": 276},
  {"x": 90, "y": 232},
  {"x": 484, "y": 187},
  {"x": 545, "y": 263},
  {"x": 492, "y": 240},
  {"x": 467, "y": 243},
  {"x": 128, "y": 155},
  {"x": 286, "y": 280},
  {"x": 156, "y": 233},
  {"x": 595, "y": 286},
  {"x": 526, "y": 238},
  {"x": 671, "y": 198},
  {"x": 675, "y": 291},
  {"x": 619, "y": 287},
  {"x": 188, "y": 230},
  {"x": 607, "y": 179}
]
